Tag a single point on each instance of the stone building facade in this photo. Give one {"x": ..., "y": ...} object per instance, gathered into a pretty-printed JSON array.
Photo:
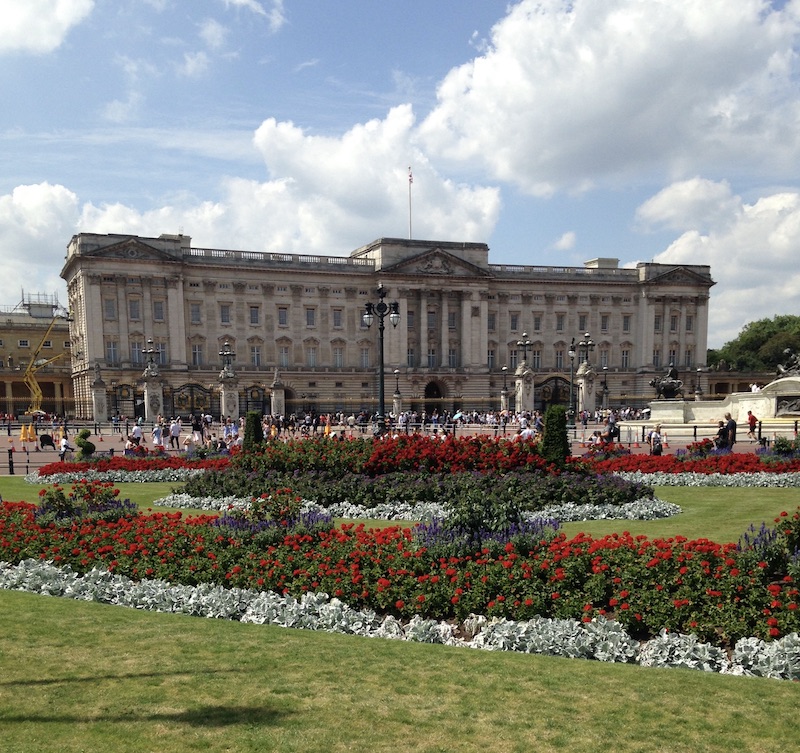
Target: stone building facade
[
  {"x": 297, "y": 321},
  {"x": 35, "y": 329}
]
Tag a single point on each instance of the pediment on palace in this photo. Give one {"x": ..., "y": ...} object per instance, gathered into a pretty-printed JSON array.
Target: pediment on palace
[
  {"x": 437, "y": 262},
  {"x": 131, "y": 248},
  {"x": 681, "y": 276}
]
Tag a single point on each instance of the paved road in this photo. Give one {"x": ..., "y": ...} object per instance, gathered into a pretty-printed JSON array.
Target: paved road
[{"x": 26, "y": 458}]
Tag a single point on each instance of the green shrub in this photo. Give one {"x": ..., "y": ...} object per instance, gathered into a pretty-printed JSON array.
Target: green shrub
[
  {"x": 253, "y": 432},
  {"x": 555, "y": 446},
  {"x": 85, "y": 447}
]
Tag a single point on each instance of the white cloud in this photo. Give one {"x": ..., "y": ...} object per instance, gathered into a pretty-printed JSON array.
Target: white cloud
[
  {"x": 577, "y": 91},
  {"x": 36, "y": 222},
  {"x": 751, "y": 247},
  {"x": 39, "y": 26},
  {"x": 275, "y": 15},
  {"x": 699, "y": 203},
  {"x": 194, "y": 64},
  {"x": 566, "y": 242},
  {"x": 326, "y": 195},
  {"x": 122, "y": 110},
  {"x": 213, "y": 33}
]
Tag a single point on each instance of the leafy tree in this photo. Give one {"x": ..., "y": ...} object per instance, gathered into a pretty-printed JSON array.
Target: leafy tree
[
  {"x": 555, "y": 445},
  {"x": 760, "y": 345},
  {"x": 253, "y": 432}
]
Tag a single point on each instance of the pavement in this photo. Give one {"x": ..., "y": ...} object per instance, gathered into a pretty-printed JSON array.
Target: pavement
[{"x": 26, "y": 458}]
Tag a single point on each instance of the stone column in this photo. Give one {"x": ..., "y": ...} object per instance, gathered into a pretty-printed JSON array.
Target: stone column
[
  {"x": 153, "y": 399},
  {"x": 524, "y": 388},
  {"x": 229, "y": 398},
  {"x": 99, "y": 399}
]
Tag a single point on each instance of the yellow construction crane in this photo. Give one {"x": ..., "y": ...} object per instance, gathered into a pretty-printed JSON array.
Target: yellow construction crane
[{"x": 37, "y": 364}]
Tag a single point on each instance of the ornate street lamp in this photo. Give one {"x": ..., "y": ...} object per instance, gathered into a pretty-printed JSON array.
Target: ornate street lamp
[
  {"x": 526, "y": 345},
  {"x": 585, "y": 347},
  {"x": 381, "y": 310},
  {"x": 504, "y": 392},
  {"x": 226, "y": 355}
]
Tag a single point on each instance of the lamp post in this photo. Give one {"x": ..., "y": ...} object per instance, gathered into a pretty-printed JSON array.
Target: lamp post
[
  {"x": 585, "y": 347},
  {"x": 604, "y": 388},
  {"x": 504, "y": 392},
  {"x": 571, "y": 354},
  {"x": 226, "y": 356},
  {"x": 380, "y": 310},
  {"x": 526, "y": 345}
]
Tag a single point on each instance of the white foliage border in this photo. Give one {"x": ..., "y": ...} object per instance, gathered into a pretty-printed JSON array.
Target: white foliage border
[{"x": 600, "y": 639}]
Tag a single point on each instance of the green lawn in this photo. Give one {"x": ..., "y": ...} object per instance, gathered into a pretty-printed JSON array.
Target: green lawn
[
  {"x": 88, "y": 677},
  {"x": 78, "y": 676}
]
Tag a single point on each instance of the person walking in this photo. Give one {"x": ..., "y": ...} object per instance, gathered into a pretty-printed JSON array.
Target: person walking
[
  {"x": 752, "y": 422},
  {"x": 730, "y": 425}
]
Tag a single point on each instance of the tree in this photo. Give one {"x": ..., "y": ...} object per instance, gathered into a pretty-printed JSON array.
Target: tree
[
  {"x": 253, "y": 431},
  {"x": 555, "y": 445},
  {"x": 760, "y": 345}
]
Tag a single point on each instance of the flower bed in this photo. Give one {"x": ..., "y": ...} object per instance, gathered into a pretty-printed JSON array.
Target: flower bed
[
  {"x": 719, "y": 592},
  {"x": 126, "y": 464}
]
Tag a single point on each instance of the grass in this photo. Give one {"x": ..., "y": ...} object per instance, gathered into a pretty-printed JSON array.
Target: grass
[
  {"x": 719, "y": 514},
  {"x": 78, "y": 676},
  {"x": 84, "y": 677}
]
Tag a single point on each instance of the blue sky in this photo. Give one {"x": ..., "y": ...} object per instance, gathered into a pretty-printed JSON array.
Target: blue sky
[{"x": 554, "y": 131}]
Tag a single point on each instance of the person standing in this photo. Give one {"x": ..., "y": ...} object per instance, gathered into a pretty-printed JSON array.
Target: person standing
[
  {"x": 655, "y": 441},
  {"x": 730, "y": 425},
  {"x": 721, "y": 440},
  {"x": 175, "y": 434}
]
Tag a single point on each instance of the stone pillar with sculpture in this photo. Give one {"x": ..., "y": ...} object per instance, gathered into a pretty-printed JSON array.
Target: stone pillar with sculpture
[
  {"x": 524, "y": 392},
  {"x": 228, "y": 396},
  {"x": 99, "y": 397},
  {"x": 153, "y": 392},
  {"x": 277, "y": 398},
  {"x": 397, "y": 398},
  {"x": 585, "y": 377}
]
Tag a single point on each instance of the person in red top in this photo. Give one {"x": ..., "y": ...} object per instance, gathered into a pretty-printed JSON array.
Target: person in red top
[{"x": 752, "y": 421}]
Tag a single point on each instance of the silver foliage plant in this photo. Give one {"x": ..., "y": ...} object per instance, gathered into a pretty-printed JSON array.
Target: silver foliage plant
[
  {"x": 646, "y": 509},
  {"x": 600, "y": 639}
]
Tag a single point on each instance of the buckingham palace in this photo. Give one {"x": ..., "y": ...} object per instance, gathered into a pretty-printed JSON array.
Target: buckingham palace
[{"x": 201, "y": 322}]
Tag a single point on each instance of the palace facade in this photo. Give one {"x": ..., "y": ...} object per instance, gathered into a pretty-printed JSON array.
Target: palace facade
[
  {"x": 35, "y": 330},
  {"x": 298, "y": 320}
]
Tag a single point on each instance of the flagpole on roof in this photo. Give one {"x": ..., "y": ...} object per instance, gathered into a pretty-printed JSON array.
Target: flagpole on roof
[{"x": 410, "y": 181}]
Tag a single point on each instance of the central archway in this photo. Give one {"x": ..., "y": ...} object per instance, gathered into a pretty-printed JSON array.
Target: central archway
[{"x": 434, "y": 398}]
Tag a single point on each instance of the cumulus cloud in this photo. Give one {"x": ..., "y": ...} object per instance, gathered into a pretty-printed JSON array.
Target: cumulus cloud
[
  {"x": 570, "y": 93},
  {"x": 751, "y": 247},
  {"x": 39, "y": 26},
  {"x": 36, "y": 222},
  {"x": 326, "y": 195},
  {"x": 701, "y": 203}
]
